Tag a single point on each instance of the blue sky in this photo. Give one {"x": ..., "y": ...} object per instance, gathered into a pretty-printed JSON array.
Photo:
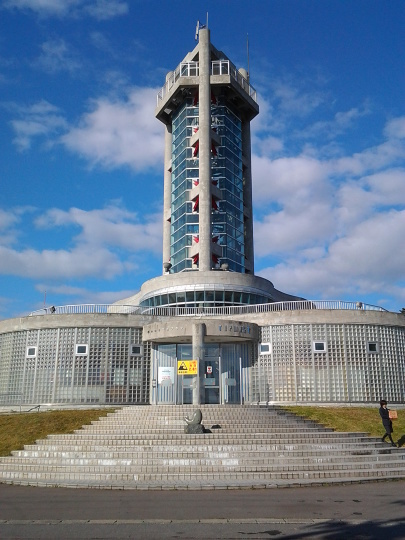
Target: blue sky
[{"x": 81, "y": 153}]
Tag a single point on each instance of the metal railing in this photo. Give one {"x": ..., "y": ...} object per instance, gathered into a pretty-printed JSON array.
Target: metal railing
[
  {"x": 218, "y": 67},
  {"x": 176, "y": 311}
]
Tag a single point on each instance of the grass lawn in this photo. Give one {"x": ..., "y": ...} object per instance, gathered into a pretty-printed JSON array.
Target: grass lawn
[
  {"x": 363, "y": 419},
  {"x": 17, "y": 430}
]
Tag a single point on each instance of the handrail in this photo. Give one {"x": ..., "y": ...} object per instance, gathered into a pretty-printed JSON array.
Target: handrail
[
  {"x": 218, "y": 67},
  {"x": 176, "y": 311}
]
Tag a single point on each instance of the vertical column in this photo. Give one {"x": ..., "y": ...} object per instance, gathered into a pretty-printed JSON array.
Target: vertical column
[
  {"x": 198, "y": 353},
  {"x": 204, "y": 151},
  {"x": 247, "y": 197},
  {"x": 167, "y": 190}
]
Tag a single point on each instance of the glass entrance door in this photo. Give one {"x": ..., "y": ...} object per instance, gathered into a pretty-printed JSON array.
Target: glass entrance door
[{"x": 210, "y": 380}]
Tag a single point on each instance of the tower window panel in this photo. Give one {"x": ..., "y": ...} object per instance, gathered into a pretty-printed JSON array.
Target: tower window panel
[
  {"x": 319, "y": 346},
  {"x": 190, "y": 298},
  {"x": 373, "y": 347},
  {"x": 81, "y": 349}
]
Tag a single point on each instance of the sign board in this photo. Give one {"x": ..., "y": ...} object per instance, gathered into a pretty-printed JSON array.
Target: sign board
[
  {"x": 166, "y": 375},
  {"x": 187, "y": 367},
  {"x": 209, "y": 369}
]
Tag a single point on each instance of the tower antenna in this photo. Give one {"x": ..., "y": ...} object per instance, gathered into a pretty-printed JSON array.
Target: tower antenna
[{"x": 247, "y": 50}]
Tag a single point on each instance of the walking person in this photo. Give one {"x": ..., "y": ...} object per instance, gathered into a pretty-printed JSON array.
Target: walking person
[{"x": 387, "y": 423}]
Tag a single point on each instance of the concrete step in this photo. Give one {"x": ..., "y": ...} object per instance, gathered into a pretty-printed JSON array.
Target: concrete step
[{"x": 142, "y": 447}]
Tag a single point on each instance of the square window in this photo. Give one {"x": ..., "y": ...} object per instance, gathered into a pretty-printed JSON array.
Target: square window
[
  {"x": 31, "y": 352},
  {"x": 265, "y": 348},
  {"x": 81, "y": 350},
  {"x": 373, "y": 347},
  {"x": 319, "y": 346},
  {"x": 136, "y": 350}
]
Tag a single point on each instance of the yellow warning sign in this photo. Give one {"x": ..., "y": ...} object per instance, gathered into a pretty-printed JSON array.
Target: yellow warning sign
[{"x": 187, "y": 367}]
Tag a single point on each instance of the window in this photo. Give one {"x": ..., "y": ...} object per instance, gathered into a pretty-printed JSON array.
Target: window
[
  {"x": 81, "y": 350},
  {"x": 373, "y": 347},
  {"x": 31, "y": 352},
  {"x": 136, "y": 350},
  {"x": 319, "y": 346},
  {"x": 265, "y": 348}
]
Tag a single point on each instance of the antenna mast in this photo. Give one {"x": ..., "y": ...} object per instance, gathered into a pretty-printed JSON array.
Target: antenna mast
[{"x": 247, "y": 49}]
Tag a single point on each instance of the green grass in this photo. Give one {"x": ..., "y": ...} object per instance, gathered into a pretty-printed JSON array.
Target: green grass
[
  {"x": 17, "y": 430},
  {"x": 362, "y": 419}
]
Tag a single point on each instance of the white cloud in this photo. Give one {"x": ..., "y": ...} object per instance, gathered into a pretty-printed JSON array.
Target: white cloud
[
  {"x": 57, "y": 56},
  {"x": 112, "y": 226},
  {"x": 9, "y": 222},
  {"x": 80, "y": 295},
  {"x": 111, "y": 241},
  {"x": 106, "y": 9},
  {"x": 342, "y": 121},
  {"x": 99, "y": 9},
  {"x": 79, "y": 262},
  {"x": 395, "y": 128},
  {"x": 39, "y": 120},
  {"x": 117, "y": 133},
  {"x": 346, "y": 237}
]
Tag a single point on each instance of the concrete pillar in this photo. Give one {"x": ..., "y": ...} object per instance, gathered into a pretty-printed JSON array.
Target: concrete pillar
[
  {"x": 167, "y": 194},
  {"x": 247, "y": 195},
  {"x": 204, "y": 150},
  {"x": 198, "y": 335}
]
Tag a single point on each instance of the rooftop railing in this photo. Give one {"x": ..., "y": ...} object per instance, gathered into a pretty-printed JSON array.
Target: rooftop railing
[
  {"x": 176, "y": 311},
  {"x": 218, "y": 67}
]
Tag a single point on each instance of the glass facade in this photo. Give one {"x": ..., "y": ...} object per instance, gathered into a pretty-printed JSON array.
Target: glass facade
[
  {"x": 227, "y": 173},
  {"x": 184, "y": 217},
  {"x": 345, "y": 371},
  {"x": 109, "y": 371},
  {"x": 227, "y": 220},
  {"x": 206, "y": 298}
]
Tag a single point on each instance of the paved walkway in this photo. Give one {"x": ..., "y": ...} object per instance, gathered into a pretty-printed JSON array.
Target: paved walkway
[{"x": 368, "y": 511}]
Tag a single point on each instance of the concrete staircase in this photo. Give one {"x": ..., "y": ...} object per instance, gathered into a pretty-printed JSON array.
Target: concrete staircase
[{"x": 145, "y": 447}]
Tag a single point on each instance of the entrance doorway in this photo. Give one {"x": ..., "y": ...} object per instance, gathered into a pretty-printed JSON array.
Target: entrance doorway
[{"x": 222, "y": 377}]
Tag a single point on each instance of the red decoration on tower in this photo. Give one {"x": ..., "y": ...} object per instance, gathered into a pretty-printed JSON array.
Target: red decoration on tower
[
  {"x": 195, "y": 259},
  {"x": 214, "y": 204},
  {"x": 196, "y": 203},
  {"x": 195, "y": 153}
]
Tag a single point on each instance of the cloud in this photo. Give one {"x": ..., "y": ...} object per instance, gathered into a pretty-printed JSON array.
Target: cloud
[
  {"x": 117, "y": 133},
  {"x": 99, "y": 9},
  {"x": 105, "y": 9},
  {"x": 56, "y": 56},
  {"x": 112, "y": 226},
  {"x": 338, "y": 223},
  {"x": 80, "y": 295},
  {"x": 10, "y": 219},
  {"x": 110, "y": 242},
  {"x": 39, "y": 120},
  {"x": 365, "y": 261}
]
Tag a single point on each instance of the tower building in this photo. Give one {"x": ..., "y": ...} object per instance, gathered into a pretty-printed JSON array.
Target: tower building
[
  {"x": 206, "y": 106},
  {"x": 208, "y": 330}
]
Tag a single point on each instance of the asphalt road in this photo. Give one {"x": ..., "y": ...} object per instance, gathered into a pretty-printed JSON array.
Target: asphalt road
[{"x": 369, "y": 511}]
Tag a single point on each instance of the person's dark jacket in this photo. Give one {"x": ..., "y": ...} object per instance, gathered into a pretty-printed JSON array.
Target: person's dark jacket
[{"x": 385, "y": 417}]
